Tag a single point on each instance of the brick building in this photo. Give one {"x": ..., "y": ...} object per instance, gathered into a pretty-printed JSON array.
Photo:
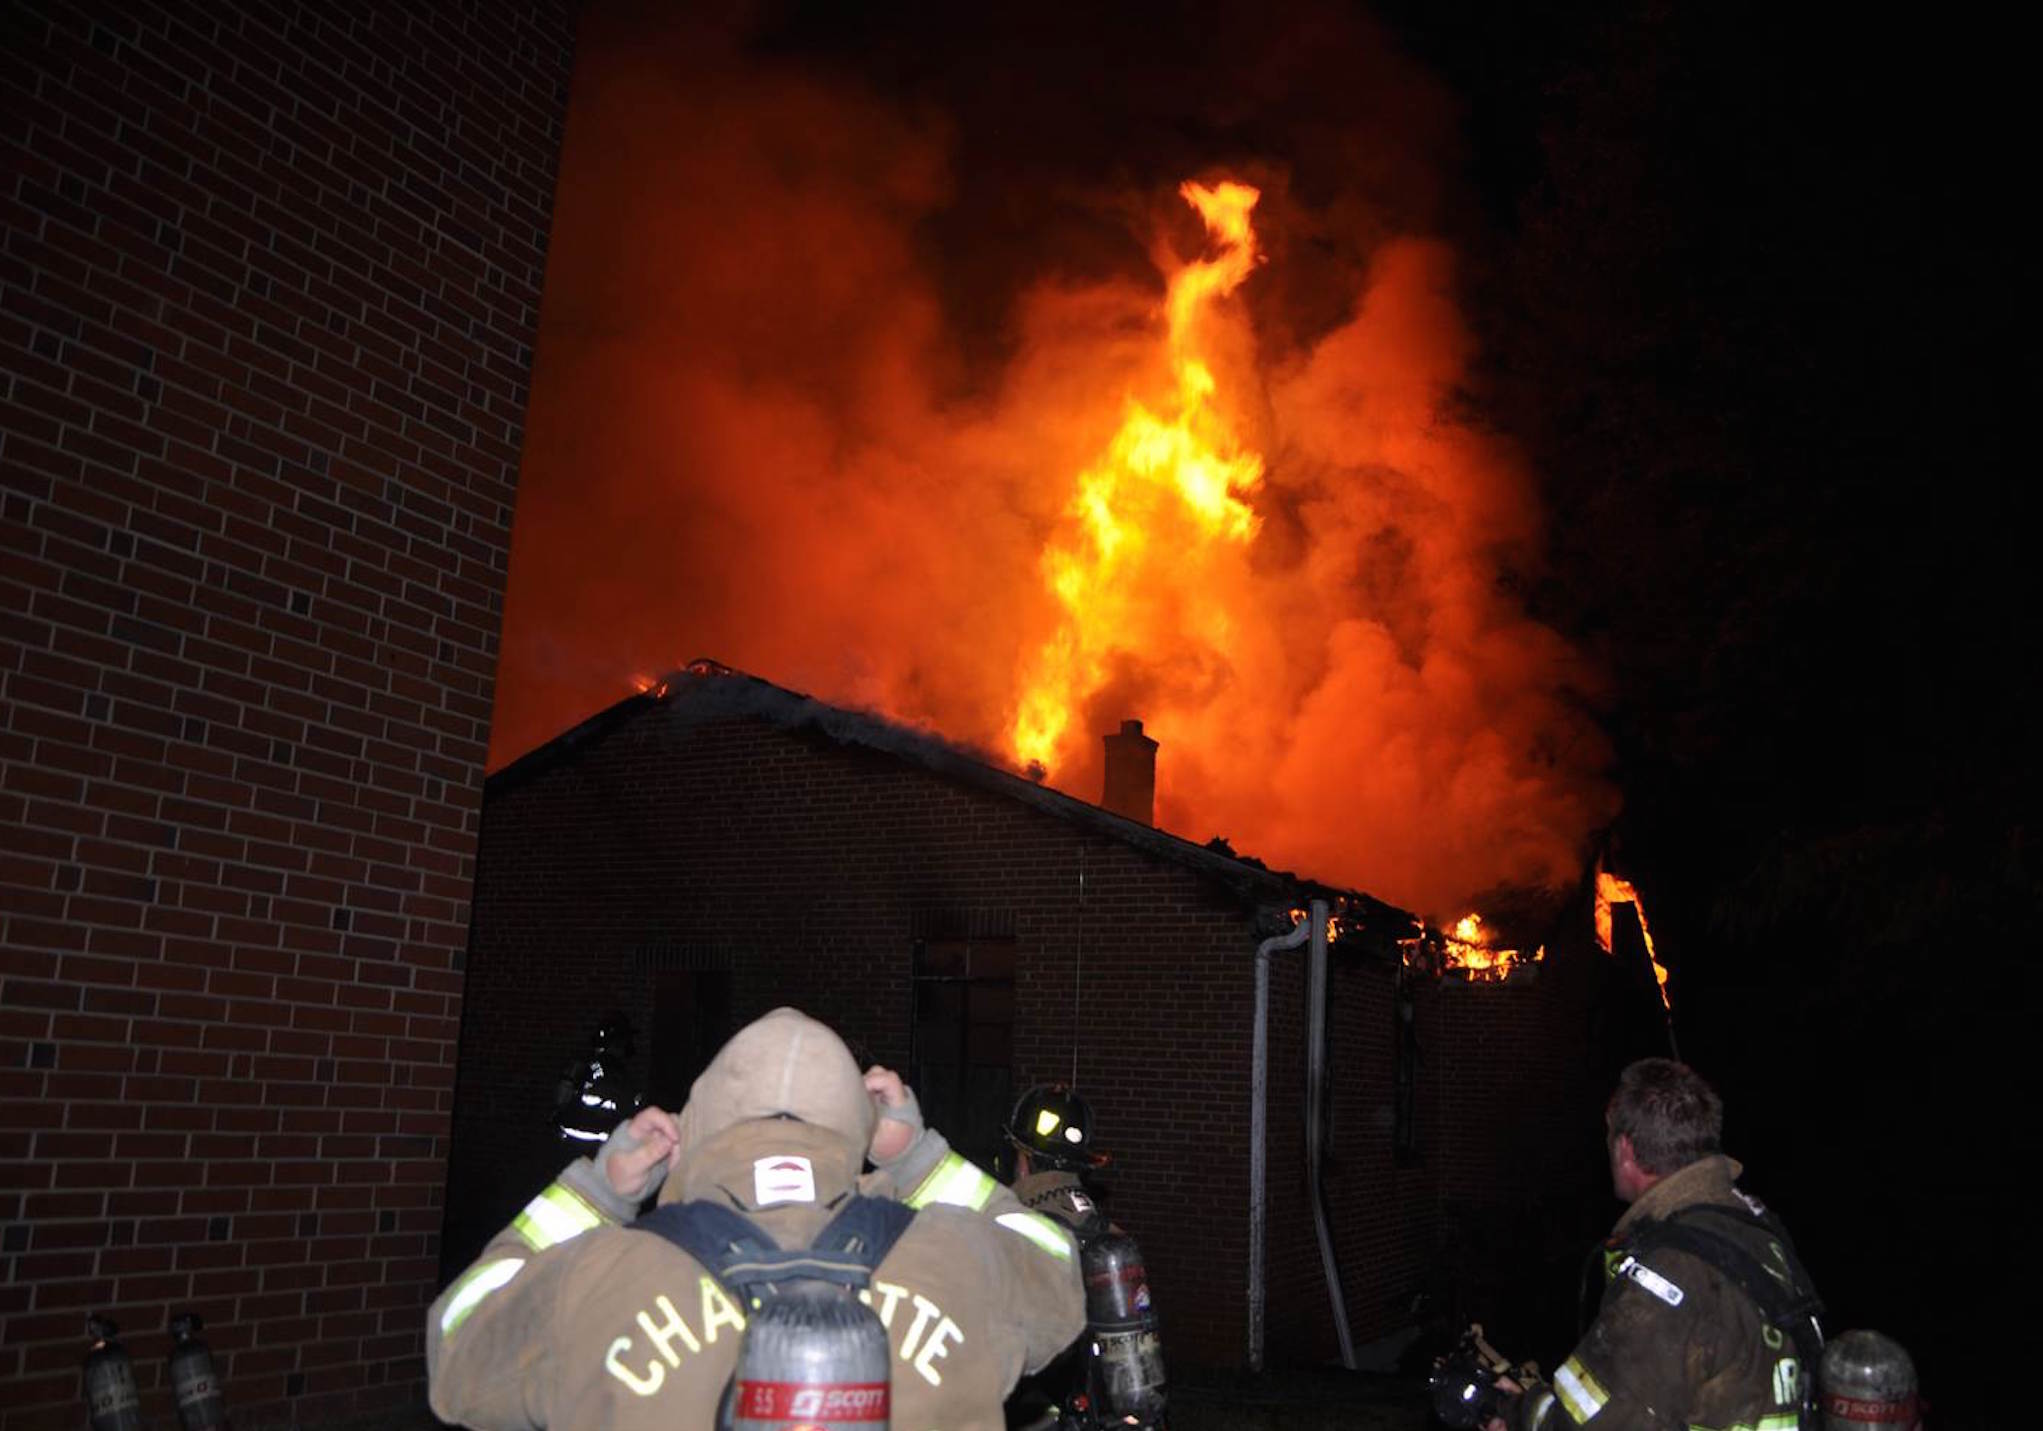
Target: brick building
[
  {"x": 717, "y": 846},
  {"x": 268, "y": 293}
]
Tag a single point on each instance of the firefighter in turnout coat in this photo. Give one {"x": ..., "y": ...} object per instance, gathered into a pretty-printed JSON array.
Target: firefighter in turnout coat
[
  {"x": 1050, "y": 1132},
  {"x": 1707, "y": 1319},
  {"x": 570, "y": 1318}
]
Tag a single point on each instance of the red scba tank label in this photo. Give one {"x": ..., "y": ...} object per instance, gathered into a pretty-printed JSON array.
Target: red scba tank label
[
  {"x": 1125, "y": 1273},
  {"x": 844, "y": 1401},
  {"x": 1852, "y": 1409}
]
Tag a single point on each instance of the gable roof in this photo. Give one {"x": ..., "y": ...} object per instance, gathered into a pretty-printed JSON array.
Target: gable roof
[{"x": 706, "y": 690}]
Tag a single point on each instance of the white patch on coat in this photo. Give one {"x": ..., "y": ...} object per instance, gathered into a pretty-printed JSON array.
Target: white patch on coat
[
  {"x": 1652, "y": 1281},
  {"x": 782, "y": 1179}
]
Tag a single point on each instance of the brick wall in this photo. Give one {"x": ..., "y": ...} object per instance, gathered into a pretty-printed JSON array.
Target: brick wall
[
  {"x": 1511, "y": 1103},
  {"x": 266, "y": 305},
  {"x": 1510, "y": 1082}
]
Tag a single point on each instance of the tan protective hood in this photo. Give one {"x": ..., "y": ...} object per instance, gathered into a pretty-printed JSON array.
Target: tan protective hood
[{"x": 784, "y": 1063}]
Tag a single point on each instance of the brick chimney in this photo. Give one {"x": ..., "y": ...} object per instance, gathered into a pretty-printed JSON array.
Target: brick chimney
[{"x": 1131, "y": 774}]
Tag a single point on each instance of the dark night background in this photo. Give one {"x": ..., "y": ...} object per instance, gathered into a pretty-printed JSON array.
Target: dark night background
[
  {"x": 1747, "y": 281},
  {"x": 1747, "y": 286}
]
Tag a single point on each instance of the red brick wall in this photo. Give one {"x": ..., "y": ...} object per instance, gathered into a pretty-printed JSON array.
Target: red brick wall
[
  {"x": 266, "y": 304},
  {"x": 1511, "y": 1100},
  {"x": 807, "y": 864},
  {"x": 1510, "y": 1082}
]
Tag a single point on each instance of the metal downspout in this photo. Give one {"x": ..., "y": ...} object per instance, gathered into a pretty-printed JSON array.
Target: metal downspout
[
  {"x": 1259, "y": 1117},
  {"x": 1315, "y": 1124}
]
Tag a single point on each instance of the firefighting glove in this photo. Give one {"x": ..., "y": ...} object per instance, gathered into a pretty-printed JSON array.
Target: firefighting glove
[
  {"x": 926, "y": 1147},
  {"x": 588, "y": 1178},
  {"x": 908, "y": 1111}
]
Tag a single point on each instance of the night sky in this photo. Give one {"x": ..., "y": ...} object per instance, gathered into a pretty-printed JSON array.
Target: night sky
[{"x": 1745, "y": 290}]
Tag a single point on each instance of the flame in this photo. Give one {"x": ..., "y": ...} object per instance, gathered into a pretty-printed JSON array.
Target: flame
[
  {"x": 1299, "y": 916},
  {"x": 1169, "y": 488},
  {"x": 767, "y": 428},
  {"x": 1467, "y": 947},
  {"x": 1612, "y": 890}
]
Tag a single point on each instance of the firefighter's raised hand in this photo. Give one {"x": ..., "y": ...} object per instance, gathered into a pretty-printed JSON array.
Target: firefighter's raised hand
[
  {"x": 900, "y": 1120},
  {"x": 636, "y": 1155}
]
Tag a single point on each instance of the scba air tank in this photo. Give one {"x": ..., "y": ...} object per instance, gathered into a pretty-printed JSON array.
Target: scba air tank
[
  {"x": 814, "y": 1358},
  {"x": 1127, "y": 1350},
  {"x": 112, "y": 1400},
  {"x": 1868, "y": 1384},
  {"x": 201, "y": 1406}
]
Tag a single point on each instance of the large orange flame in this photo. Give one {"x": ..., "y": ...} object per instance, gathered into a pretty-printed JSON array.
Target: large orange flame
[
  {"x": 1169, "y": 487},
  {"x": 1612, "y": 890}
]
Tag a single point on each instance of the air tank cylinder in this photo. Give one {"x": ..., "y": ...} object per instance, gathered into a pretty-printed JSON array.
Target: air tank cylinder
[
  {"x": 1121, "y": 1323},
  {"x": 814, "y": 1358},
  {"x": 1868, "y": 1383},
  {"x": 112, "y": 1400},
  {"x": 201, "y": 1405}
]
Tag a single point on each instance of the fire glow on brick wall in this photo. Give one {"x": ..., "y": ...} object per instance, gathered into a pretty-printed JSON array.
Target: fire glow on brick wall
[{"x": 1283, "y": 546}]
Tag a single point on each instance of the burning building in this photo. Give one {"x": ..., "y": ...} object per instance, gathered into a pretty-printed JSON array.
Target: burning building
[{"x": 717, "y": 845}]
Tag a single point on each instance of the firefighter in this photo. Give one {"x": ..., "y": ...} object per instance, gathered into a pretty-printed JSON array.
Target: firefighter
[
  {"x": 1707, "y": 1317},
  {"x": 570, "y": 1318},
  {"x": 592, "y": 1096},
  {"x": 1114, "y": 1376},
  {"x": 1049, "y": 1133}
]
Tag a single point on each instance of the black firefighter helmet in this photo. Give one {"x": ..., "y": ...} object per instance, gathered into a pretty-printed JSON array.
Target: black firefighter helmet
[{"x": 1053, "y": 1126}]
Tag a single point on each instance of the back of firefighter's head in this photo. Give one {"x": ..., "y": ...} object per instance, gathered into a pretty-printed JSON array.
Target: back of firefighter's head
[
  {"x": 783, "y": 1065},
  {"x": 1053, "y": 1126},
  {"x": 1668, "y": 1115}
]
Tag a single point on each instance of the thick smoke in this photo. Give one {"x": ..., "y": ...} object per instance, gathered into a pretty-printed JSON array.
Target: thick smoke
[{"x": 788, "y": 414}]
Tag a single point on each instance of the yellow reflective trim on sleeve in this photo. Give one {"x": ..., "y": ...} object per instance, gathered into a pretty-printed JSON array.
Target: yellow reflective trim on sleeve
[
  {"x": 1039, "y": 1230},
  {"x": 553, "y": 1217},
  {"x": 1773, "y": 1421},
  {"x": 1583, "y": 1393},
  {"x": 958, "y": 1182},
  {"x": 470, "y": 1291}
]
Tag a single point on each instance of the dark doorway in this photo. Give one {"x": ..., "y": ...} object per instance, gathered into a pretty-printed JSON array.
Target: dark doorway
[
  {"x": 963, "y": 1058},
  {"x": 691, "y": 1020}
]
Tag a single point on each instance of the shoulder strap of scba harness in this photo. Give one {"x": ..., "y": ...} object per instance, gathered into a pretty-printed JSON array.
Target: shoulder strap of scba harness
[
  {"x": 741, "y": 1255},
  {"x": 1722, "y": 1237},
  {"x": 1777, "y": 1285}
]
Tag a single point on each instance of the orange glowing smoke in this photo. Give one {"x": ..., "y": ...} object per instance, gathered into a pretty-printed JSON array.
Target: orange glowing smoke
[
  {"x": 1131, "y": 569},
  {"x": 775, "y": 421},
  {"x": 1612, "y": 890}
]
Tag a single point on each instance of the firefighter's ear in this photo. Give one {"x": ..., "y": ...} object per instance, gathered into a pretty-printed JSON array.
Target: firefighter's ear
[{"x": 1627, "y": 1178}]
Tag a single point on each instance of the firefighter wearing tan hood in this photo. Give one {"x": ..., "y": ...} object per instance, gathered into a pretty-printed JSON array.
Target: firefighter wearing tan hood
[
  {"x": 784, "y": 1065},
  {"x": 570, "y": 1319}
]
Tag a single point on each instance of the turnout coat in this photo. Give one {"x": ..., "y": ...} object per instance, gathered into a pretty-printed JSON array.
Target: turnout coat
[
  {"x": 1676, "y": 1345},
  {"x": 569, "y": 1319}
]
